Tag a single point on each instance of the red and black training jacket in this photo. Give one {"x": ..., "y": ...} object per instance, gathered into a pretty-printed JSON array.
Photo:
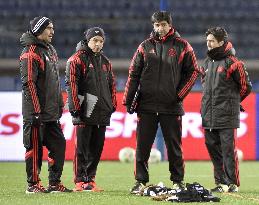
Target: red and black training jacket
[
  {"x": 166, "y": 70},
  {"x": 88, "y": 72},
  {"x": 225, "y": 85},
  {"x": 41, "y": 90}
]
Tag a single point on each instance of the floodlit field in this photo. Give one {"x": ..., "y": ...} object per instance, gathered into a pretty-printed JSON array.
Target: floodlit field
[{"x": 116, "y": 179}]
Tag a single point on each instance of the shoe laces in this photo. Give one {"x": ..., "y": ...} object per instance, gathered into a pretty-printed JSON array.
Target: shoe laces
[
  {"x": 79, "y": 186},
  {"x": 92, "y": 186},
  {"x": 61, "y": 187},
  {"x": 39, "y": 184},
  {"x": 36, "y": 188}
]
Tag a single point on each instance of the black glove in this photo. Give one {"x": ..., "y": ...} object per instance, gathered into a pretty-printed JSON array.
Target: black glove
[
  {"x": 130, "y": 111},
  {"x": 77, "y": 121},
  {"x": 36, "y": 120},
  {"x": 75, "y": 113},
  {"x": 242, "y": 109},
  {"x": 113, "y": 109}
]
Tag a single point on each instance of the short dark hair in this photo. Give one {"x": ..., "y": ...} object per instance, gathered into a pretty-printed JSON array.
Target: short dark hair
[
  {"x": 161, "y": 16},
  {"x": 219, "y": 33}
]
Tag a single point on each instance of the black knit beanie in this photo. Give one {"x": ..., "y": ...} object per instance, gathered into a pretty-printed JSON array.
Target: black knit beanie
[
  {"x": 95, "y": 31},
  {"x": 39, "y": 24}
]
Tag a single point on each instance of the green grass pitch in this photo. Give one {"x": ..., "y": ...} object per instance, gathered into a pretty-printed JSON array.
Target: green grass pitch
[{"x": 116, "y": 179}]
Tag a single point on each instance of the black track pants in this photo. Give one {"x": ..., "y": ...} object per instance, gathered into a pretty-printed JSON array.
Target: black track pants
[
  {"x": 51, "y": 136},
  {"x": 88, "y": 150},
  {"x": 221, "y": 147},
  {"x": 171, "y": 126}
]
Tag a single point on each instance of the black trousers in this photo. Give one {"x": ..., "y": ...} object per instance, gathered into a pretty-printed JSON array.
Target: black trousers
[
  {"x": 34, "y": 138},
  {"x": 88, "y": 150},
  {"x": 171, "y": 126},
  {"x": 222, "y": 150}
]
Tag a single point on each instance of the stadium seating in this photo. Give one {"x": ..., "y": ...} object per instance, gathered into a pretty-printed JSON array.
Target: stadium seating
[{"x": 127, "y": 23}]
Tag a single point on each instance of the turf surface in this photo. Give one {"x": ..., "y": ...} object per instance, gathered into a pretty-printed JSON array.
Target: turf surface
[{"x": 116, "y": 179}]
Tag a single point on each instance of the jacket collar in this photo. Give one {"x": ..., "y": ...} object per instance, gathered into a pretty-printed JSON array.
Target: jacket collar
[
  {"x": 171, "y": 33},
  {"x": 82, "y": 46},
  {"x": 221, "y": 52}
]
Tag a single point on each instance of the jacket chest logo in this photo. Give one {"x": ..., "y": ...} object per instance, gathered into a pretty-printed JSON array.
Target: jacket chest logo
[
  {"x": 51, "y": 58},
  {"x": 105, "y": 67},
  {"x": 152, "y": 51},
  {"x": 220, "y": 69},
  {"x": 171, "y": 52},
  {"x": 91, "y": 66}
]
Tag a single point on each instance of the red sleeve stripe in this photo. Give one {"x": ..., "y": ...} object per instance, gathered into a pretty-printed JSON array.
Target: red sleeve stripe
[
  {"x": 188, "y": 86},
  {"x": 192, "y": 79},
  {"x": 78, "y": 60},
  {"x": 114, "y": 100},
  {"x": 74, "y": 60},
  {"x": 74, "y": 85},
  {"x": 31, "y": 84},
  {"x": 228, "y": 46},
  {"x": 239, "y": 66},
  {"x": 187, "y": 48},
  {"x": 131, "y": 68},
  {"x": 243, "y": 90},
  {"x": 34, "y": 57},
  {"x": 113, "y": 91}
]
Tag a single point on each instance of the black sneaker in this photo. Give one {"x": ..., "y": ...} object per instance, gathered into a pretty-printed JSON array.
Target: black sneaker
[
  {"x": 58, "y": 188},
  {"x": 232, "y": 188},
  {"x": 36, "y": 188},
  {"x": 220, "y": 188},
  {"x": 136, "y": 189}
]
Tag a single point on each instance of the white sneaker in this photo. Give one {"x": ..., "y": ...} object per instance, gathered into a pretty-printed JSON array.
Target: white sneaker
[
  {"x": 220, "y": 188},
  {"x": 232, "y": 188}
]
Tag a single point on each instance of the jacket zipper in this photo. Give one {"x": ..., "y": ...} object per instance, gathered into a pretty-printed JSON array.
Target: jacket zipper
[
  {"x": 98, "y": 80},
  {"x": 159, "y": 73},
  {"x": 211, "y": 94}
]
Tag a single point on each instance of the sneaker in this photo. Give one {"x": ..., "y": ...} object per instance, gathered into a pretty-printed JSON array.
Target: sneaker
[
  {"x": 178, "y": 186},
  {"x": 220, "y": 188},
  {"x": 137, "y": 188},
  {"x": 91, "y": 186},
  {"x": 57, "y": 188},
  {"x": 36, "y": 188},
  {"x": 232, "y": 188},
  {"x": 79, "y": 187}
]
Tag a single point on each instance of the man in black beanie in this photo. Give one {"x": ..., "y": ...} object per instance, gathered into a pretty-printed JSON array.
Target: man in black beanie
[
  {"x": 89, "y": 74},
  {"x": 95, "y": 31},
  {"x": 42, "y": 106}
]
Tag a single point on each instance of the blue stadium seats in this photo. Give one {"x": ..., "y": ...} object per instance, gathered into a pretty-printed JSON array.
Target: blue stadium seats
[{"x": 127, "y": 23}]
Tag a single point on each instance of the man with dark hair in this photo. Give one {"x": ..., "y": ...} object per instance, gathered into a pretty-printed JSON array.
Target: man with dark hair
[
  {"x": 42, "y": 106},
  {"x": 226, "y": 84},
  {"x": 89, "y": 77},
  {"x": 163, "y": 71}
]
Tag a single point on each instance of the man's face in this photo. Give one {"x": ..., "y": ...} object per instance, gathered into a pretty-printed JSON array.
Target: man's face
[
  {"x": 162, "y": 28},
  {"x": 212, "y": 42},
  {"x": 47, "y": 34},
  {"x": 96, "y": 44}
]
